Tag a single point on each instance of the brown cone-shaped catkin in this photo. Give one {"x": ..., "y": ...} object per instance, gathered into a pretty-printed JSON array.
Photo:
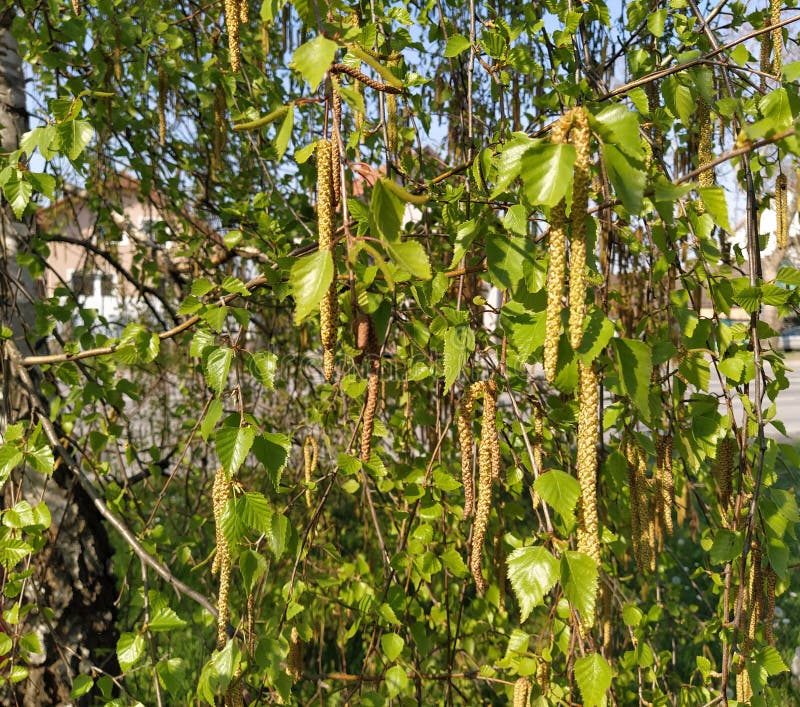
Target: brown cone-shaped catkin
[
  {"x": 484, "y": 505},
  {"x": 705, "y": 152},
  {"x": 642, "y": 526},
  {"x": 777, "y": 36},
  {"x": 781, "y": 214},
  {"x": 294, "y": 664},
  {"x": 232, "y": 24},
  {"x": 588, "y": 430},
  {"x": 310, "y": 459},
  {"x": 220, "y": 494},
  {"x": 465, "y": 443},
  {"x": 665, "y": 480},
  {"x": 522, "y": 693},
  {"x": 329, "y": 306},
  {"x": 755, "y": 592},
  {"x": 580, "y": 137}
]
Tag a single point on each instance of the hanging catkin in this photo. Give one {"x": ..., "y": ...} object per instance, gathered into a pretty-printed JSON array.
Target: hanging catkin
[
  {"x": 557, "y": 267},
  {"x": 162, "y": 106},
  {"x": 373, "y": 390},
  {"x": 536, "y": 443},
  {"x": 770, "y": 580},
  {"x": 244, "y": 12},
  {"x": 705, "y": 152},
  {"x": 485, "y": 470},
  {"x": 588, "y": 429},
  {"x": 665, "y": 480},
  {"x": 492, "y": 439},
  {"x": 232, "y": 17},
  {"x": 310, "y": 459},
  {"x": 76, "y": 7},
  {"x": 580, "y": 136},
  {"x": 781, "y": 213},
  {"x": 465, "y": 443},
  {"x": 329, "y": 306},
  {"x": 777, "y": 36},
  {"x": 391, "y": 118},
  {"x": 642, "y": 526},
  {"x": 722, "y": 471},
  {"x": 294, "y": 663},
  {"x": 336, "y": 157},
  {"x": 220, "y": 494},
  {"x": 522, "y": 693}
]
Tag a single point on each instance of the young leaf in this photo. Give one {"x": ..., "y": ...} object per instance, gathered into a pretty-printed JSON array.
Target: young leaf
[
  {"x": 593, "y": 675},
  {"x": 313, "y": 59},
  {"x": 459, "y": 343},
  {"x": 310, "y": 278},
  {"x": 533, "y": 572},
  {"x": 411, "y": 256},
  {"x": 547, "y": 173},
  {"x": 233, "y": 444},
  {"x": 559, "y": 490},
  {"x": 579, "y": 579},
  {"x": 634, "y": 365},
  {"x": 216, "y": 367}
]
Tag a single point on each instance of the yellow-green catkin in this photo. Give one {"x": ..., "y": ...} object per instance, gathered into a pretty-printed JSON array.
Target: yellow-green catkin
[
  {"x": 777, "y": 36},
  {"x": 329, "y": 306},
  {"x": 294, "y": 663},
  {"x": 232, "y": 19},
  {"x": 310, "y": 459},
  {"x": 665, "y": 480},
  {"x": 370, "y": 406},
  {"x": 522, "y": 693},
  {"x": 588, "y": 430},
  {"x": 781, "y": 212},
  {"x": 76, "y": 7},
  {"x": 391, "y": 118},
  {"x": 705, "y": 153},
  {"x": 336, "y": 157},
  {"x": 485, "y": 476},
  {"x": 492, "y": 440},
  {"x": 244, "y": 12},
  {"x": 163, "y": 83},
  {"x": 220, "y": 494},
  {"x": 770, "y": 581},
  {"x": 722, "y": 471},
  {"x": 465, "y": 443},
  {"x": 580, "y": 136},
  {"x": 538, "y": 438}
]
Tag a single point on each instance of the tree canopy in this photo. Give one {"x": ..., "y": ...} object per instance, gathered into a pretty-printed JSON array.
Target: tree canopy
[{"x": 442, "y": 368}]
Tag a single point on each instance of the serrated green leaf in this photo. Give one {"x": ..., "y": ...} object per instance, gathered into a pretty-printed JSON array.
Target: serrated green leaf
[
  {"x": 73, "y": 136},
  {"x": 252, "y": 565},
  {"x": 727, "y": 545},
  {"x": 130, "y": 648},
  {"x": 216, "y": 367},
  {"x": 263, "y": 365},
  {"x": 509, "y": 162},
  {"x": 627, "y": 177},
  {"x": 18, "y": 193},
  {"x": 454, "y": 562},
  {"x": 385, "y": 211},
  {"x": 218, "y": 672},
  {"x": 310, "y": 278},
  {"x": 533, "y": 572},
  {"x": 593, "y": 675},
  {"x": 232, "y": 445},
  {"x": 81, "y": 685},
  {"x": 547, "y": 172},
  {"x": 284, "y": 134},
  {"x": 716, "y": 205},
  {"x": 598, "y": 330},
  {"x": 411, "y": 257},
  {"x": 559, "y": 490},
  {"x": 165, "y": 619},
  {"x": 277, "y": 535},
  {"x": 313, "y": 59},
  {"x": 618, "y": 126},
  {"x": 255, "y": 512},
  {"x": 459, "y": 343},
  {"x": 456, "y": 44},
  {"x": 272, "y": 450},
  {"x": 579, "y": 580}
]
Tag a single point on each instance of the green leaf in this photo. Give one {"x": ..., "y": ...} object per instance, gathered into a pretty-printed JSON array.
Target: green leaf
[
  {"x": 41, "y": 459},
  {"x": 18, "y": 192},
  {"x": 776, "y": 109},
  {"x": 579, "y": 580},
  {"x": 130, "y": 648},
  {"x": 559, "y": 490},
  {"x": 254, "y": 511},
  {"x": 505, "y": 256},
  {"x": 165, "y": 619},
  {"x": 593, "y": 675},
  {"x": 392, "y": 645},
  {"x": 727, "y": 545},
  {"x": 598, "y": 330},
  {"x": 81, "y": 685},
  {"x": 313, "y": 59},
  {"x": 634, "y": 366},
  {"x": 456, "y": 44},
  {"x": 533, "y": 572},
  {"x": 263, "y": 365},
  {"x": 278, "y": 532},
  {"x": 618, "y": 126},
  {"x": 627, "y": 177},
  {"x": 310, "y": 278},
  {"x": 73, "y": 136},
  {"x": 547, "y": 173},
  {"x": 216, "y": 367},
  {"x": 454, "y": 562},
  {"x": 411, "y": 257},
  {"x": 656, "y": 21},
  {"x": 396, "y": 680},
  {"x": 459, "y": 343},
  {"x": 233, "y": 445},
  {"x": 716, "y": 205},
  {"x": 509, "y": 163},
  {"x": 218, "y": 672},
  {"x": 10, "y": 458},
  {"x": 281, "y": 141},
  {"x": 516, "y": 220},
  {"x": 385, "y": 211},
  {"x": 272, "y": 450},
  {"x": 252, "y": 565},
  {"x": 678, "y": 99}
]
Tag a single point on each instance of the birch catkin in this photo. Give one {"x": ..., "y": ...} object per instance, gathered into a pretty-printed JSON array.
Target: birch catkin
[
  {"x": 232, "y": 18},
  {"x": 522, "y": 693},
  {"x": 162, "y": 106},
  {"x": 310, "y": 459},
  {"x": 722, "y": 471},
  {"x": 220, "y": 494},
  {"x": 556, "y": 272},
  {"x": 329, "y": 306},
  {"x": 588, "y": 429},
  {"x": 705, "y": 152},
  {"x": 781, "y": 215},
  {"x": 465, "y": 443},
  {"x": 777, "y": 36},
  {"x": 485, "y": 475},
  {"x": 665, "y": 480},
  {"x": 580, "y": 136}
]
